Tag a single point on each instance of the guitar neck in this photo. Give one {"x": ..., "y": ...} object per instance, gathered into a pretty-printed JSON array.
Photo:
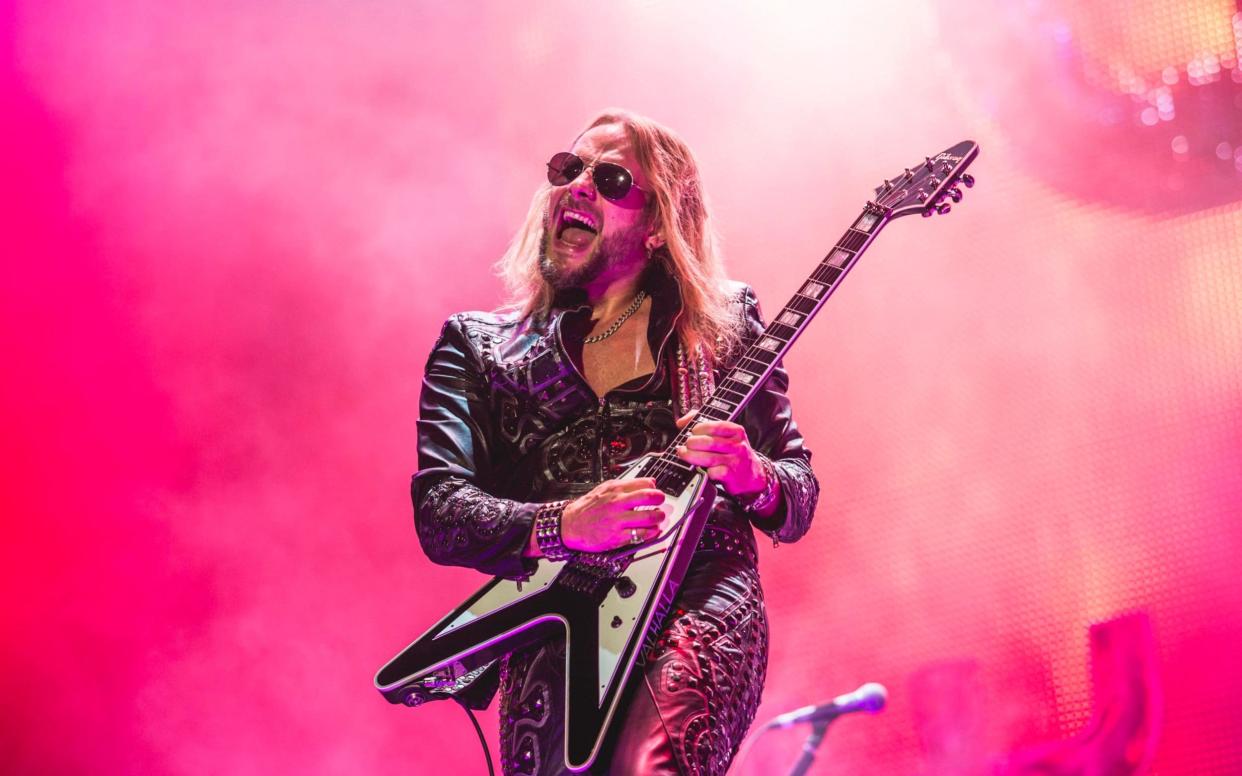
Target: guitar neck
[{"x": 736, "y": 389}]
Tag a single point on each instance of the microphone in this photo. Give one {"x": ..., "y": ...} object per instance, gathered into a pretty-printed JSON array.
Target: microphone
[{"x": 870, "y": 698}]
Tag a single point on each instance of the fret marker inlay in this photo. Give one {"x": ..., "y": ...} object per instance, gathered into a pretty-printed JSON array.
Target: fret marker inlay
[
  {"x": 769, "y": 343},
  {"x": 790, "y": 318},
  {"x": 839, "y": 258},
  {"x": 866, "y": 221},
  {"x": 813, "y": 289}
]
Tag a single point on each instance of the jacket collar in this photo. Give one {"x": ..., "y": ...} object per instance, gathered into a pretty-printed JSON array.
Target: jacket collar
[
  {"x": 666, "y": 304},
  {"x": 569, "y": 315}
]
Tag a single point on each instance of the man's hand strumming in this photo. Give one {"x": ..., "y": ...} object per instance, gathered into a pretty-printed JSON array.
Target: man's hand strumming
[{"x": 612, "y": 514}]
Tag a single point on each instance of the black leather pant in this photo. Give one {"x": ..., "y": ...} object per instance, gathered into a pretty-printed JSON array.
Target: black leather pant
[{"x": 697, "y": 692}]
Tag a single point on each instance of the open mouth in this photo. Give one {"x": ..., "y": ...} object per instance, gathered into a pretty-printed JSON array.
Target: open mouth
[{"x": 576, "y": 228}]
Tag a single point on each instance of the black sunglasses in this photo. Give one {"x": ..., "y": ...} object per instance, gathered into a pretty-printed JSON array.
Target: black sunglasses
[{"x": 611, "y": 180}]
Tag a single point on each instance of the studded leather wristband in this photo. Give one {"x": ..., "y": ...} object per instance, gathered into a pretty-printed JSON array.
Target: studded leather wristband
[
  {"x": 771, "y": 489},
  {"x": 548, "y": 531}
]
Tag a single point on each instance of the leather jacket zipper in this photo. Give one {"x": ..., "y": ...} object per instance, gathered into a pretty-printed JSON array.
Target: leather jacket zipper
[{"x": 601, "y": 425}]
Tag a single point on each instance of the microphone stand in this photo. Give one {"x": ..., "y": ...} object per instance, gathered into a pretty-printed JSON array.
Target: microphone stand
[
  {"x": 809, "y": 748},
  {"x": 871, "y": 697}
]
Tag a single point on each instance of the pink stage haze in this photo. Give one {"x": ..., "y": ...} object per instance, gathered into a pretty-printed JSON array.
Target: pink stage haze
[{"x": 231, "y": 231}]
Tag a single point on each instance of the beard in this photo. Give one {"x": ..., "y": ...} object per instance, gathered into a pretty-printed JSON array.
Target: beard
[{"x": 611, "y": 251}]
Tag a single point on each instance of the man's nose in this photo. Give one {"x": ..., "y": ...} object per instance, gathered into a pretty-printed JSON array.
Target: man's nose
[{"x": 583, "y": 186}]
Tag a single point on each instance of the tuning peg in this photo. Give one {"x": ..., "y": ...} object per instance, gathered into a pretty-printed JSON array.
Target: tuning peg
[
  {"x": 968, "y": 180},
  {"x": 955, "y": 194},
  {"x": 928, "y": 163},
  {"x": 929, "y": 211},
  {"x": 943, "y": 207}
]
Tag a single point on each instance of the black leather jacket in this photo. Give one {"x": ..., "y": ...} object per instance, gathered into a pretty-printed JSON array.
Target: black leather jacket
[{"x": 507, "y": 421}]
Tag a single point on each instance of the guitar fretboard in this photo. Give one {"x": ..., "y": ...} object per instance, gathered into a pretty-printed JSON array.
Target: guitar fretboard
[{"x": 747, "y": 375}]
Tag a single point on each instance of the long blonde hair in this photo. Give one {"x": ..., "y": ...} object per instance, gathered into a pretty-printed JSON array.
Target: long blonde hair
[{"x": 677, "y": 205}]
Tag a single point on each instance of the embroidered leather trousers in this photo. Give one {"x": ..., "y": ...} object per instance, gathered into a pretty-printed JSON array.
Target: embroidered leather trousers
[{"x": 697, "y": 692}]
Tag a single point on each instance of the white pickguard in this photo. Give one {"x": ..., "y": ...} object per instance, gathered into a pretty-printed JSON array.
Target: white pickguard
[{"x": 647, "y": 571}]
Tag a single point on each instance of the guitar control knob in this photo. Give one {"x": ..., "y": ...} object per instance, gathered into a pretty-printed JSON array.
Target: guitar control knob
[
  {"x": 968, "y": 180},
  {"x": 413, "y": 699},
  {"x": 626, "y": 587}
]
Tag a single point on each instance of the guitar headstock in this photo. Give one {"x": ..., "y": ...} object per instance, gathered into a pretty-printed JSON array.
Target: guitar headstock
[{"x": 927, "y": 187}]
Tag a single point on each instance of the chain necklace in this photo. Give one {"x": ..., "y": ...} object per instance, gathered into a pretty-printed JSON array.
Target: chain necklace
[{"x": 625, "y": 316}]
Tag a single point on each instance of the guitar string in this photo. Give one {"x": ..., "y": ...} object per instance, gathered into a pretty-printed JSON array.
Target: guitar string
[{"x": 664, "y": 466}]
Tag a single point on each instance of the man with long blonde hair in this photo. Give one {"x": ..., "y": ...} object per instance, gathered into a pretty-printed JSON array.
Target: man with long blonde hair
[{"x": 621, "y": 317}]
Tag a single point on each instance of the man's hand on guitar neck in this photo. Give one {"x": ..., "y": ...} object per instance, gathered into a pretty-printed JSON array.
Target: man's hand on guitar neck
[{"x": 723, "y": 449}]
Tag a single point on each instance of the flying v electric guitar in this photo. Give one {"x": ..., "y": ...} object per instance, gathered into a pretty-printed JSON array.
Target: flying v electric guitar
[{"x": 608, "y": 606}]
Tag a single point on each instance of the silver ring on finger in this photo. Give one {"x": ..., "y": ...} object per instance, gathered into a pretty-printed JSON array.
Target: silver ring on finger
[{"x": 634, "y": 537}]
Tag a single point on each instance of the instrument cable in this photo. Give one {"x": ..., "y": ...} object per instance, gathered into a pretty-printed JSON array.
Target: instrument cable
[{"x": 482, "y": 740}]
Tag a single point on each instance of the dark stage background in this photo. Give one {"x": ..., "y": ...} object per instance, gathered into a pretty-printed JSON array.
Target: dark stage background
[{"x": 232, "y": 230}]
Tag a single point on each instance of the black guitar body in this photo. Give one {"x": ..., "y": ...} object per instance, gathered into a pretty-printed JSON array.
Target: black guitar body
[{"x": 606, "y": 607}]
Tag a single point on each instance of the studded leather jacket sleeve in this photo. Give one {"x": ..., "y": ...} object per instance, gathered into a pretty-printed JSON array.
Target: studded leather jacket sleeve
[
  {"x": 459, "y": 522},
  {"x": 769, "y": 424}
]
